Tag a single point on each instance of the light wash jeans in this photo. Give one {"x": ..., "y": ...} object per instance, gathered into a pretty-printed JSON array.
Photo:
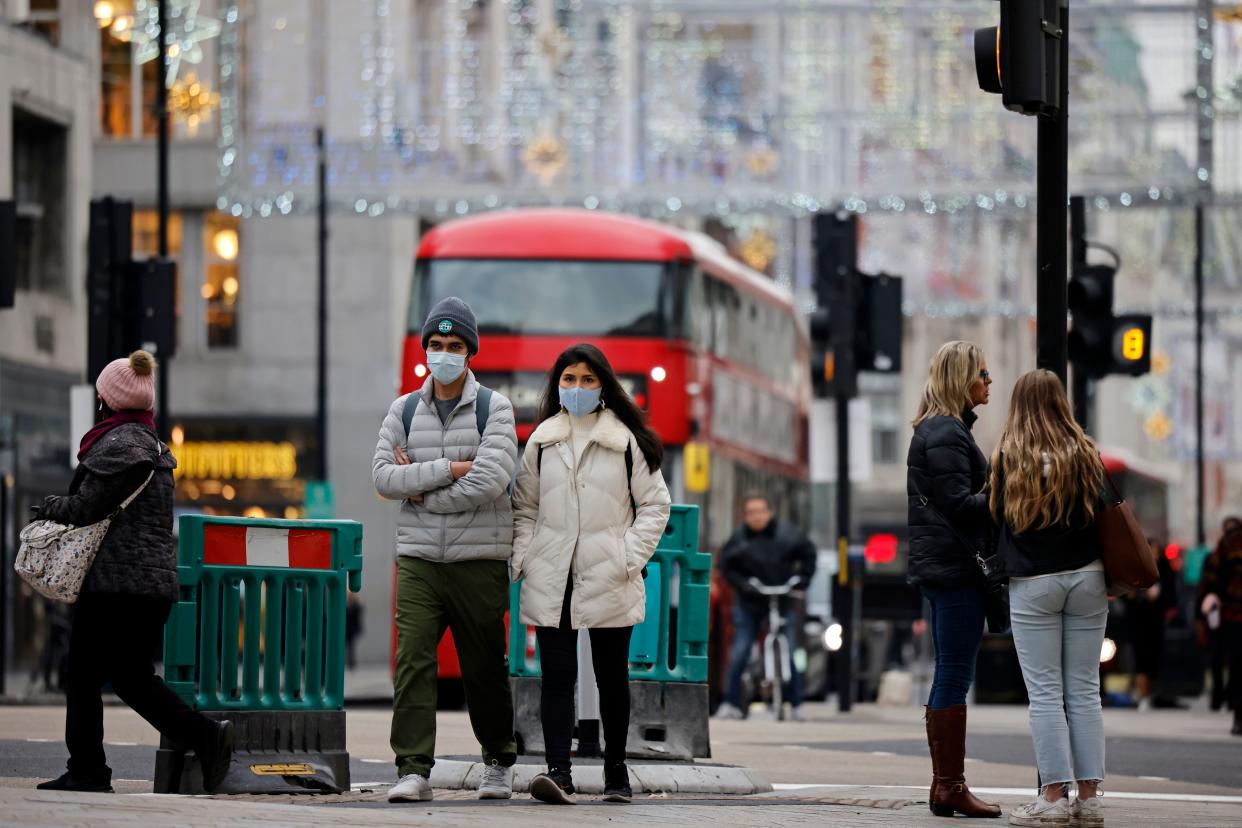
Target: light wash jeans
[{"x": 1058, "y": 629}]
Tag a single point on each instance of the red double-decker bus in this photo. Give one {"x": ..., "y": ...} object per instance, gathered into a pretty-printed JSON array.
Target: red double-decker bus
[{"x": 715, "y": 352}]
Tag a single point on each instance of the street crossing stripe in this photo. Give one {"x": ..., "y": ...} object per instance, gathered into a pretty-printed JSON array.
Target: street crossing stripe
[
  {"x": 1026, "y": 792},
  {"x": 233, "y": 545}
]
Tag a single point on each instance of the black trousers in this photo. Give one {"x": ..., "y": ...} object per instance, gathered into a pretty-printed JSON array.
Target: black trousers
[
  {"x": 558, "y": 657},
  {"x": 115, "y": 639}
]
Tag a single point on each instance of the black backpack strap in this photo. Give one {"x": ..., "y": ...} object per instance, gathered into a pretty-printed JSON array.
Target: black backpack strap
[
  {"x": 629, "y": 475},
  {"x": 482, "y": 408},
  {"x": 539, "y": 459},
  {"x": 407, "y": 412}
]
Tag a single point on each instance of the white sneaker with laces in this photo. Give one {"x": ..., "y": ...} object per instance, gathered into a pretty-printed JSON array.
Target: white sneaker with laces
[
  {"x": 727, "y": 711},
  {"x": 496, "y": 782},
  {"x": 1041, "y": 812},
  {"x": 1087, "y": 813},
  {"x": 411, "y": 788}
]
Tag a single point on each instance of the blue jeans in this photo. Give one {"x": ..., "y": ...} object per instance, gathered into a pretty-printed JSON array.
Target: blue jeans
[
  {"x": 747, "y": 621},
  {"x": 1058, "y": 629},
  {"x": 956, "y": 628}
]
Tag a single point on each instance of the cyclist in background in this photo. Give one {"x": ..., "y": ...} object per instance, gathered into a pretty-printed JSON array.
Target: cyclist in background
[{"x": 771, "y": 551}]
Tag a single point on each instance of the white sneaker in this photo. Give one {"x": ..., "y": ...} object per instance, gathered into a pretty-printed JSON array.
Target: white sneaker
[
  {"x": 496, "y": 782},
  {"x": 1041, "y": 812},
  {"x": 797, "y": 714},
  {"x": 1087, "y": 813},
  {"x": 411, "y": 788},
  {"x": 726, "y": 712}
]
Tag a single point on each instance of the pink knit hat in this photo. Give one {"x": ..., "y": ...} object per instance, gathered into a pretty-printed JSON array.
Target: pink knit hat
[{"x": 128, "y": 384}]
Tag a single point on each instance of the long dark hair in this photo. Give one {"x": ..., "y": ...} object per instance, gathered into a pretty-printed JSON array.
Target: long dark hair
[{"x": 613, "y": 397}]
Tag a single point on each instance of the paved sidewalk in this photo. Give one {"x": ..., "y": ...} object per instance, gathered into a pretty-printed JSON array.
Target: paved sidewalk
[{"x": 842, "y": 807}]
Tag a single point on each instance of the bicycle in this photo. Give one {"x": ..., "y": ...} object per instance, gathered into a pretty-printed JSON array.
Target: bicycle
[{"x": 778, "y": 647}]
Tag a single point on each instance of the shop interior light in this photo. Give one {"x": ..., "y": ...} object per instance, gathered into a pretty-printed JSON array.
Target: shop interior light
[
  {"x": 226, "y": 244},
  {"x": 104, "y": 13}
]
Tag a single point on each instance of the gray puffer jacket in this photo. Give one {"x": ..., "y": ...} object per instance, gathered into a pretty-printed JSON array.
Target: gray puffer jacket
[
  {"x": 137, "y": 556},
  {"x": 458, "y": 520}
]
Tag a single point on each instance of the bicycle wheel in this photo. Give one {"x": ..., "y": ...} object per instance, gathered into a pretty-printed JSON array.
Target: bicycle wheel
[{"x": 775, "y": 675}]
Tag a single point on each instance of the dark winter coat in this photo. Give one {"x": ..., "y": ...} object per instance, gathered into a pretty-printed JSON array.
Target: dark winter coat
[
  {"x": 137, "y": 556},
  {"x": 774, "y": 555},
  {"x": 948, "y": 508},
  {"x": 1222, "y": 575}
]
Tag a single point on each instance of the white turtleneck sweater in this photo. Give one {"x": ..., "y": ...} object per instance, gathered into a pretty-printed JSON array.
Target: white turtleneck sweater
[{"x": 580, "y": 431}]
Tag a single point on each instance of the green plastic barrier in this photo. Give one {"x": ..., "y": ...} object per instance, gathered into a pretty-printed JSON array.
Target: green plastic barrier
[
  {"x": 260, "y": 624},
  {"x": 680, "y": 654}
]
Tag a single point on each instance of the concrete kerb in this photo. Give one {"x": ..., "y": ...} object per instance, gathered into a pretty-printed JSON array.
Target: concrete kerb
[{"x": 460, "y": 774}]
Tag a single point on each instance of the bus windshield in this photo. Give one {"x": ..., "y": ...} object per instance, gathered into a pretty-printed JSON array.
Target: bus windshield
[{"x": 522, "y": 296}]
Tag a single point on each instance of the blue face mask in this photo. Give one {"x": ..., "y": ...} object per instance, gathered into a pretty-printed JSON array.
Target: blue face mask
[
  {"x": 446, "y": 367},
  {"x": 579, "y": 401}
]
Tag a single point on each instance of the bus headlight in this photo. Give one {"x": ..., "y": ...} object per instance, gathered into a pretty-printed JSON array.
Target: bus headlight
[
  {"x": 420, "y": 370},
  {"x": 1108, "y": 651},
  {"x": 833, "y": 637},
  {"x": 659, "y": 374}
]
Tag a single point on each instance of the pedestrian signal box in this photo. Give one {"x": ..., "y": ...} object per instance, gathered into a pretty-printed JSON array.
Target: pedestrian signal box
[{"x": 1131, "y": 344}]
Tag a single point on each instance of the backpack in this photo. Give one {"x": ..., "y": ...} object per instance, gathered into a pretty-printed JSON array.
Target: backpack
[{"x": 482, "y": 407}]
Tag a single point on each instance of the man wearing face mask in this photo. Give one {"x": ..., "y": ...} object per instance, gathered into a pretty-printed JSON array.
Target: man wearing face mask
[{"x": 447, "y": 452}]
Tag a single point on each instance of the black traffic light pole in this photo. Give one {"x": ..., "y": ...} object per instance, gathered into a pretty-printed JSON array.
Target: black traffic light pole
[
  {"x": 321, "y": 358},
  {"x": 1200, "y": 528},
  {"x": 1052, "y": 185},
  {"x": 161, "y": 111}
]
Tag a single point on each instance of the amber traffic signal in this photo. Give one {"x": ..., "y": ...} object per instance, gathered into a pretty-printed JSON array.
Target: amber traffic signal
[{"x": 1019, "y": 59}]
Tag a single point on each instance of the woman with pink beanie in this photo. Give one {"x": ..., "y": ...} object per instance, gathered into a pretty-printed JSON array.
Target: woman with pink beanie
[{"x": 118, "y": 622}]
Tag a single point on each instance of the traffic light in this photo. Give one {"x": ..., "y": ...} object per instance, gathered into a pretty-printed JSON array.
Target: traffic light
[
  {"x": 131, "y": 304},
  {"x": 1020, "y": 59},
  {"x": 857, "y": 325},
  {"x": 1091, "y": 304},
  {"x": 1130, "y": 345}
]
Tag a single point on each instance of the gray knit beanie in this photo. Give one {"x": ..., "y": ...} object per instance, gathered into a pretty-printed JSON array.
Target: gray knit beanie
[{"x": 452, "y": 316}]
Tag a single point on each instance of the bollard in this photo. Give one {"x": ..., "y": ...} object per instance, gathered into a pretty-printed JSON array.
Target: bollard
[
  {"x": 258, "y": 637},
  {"x": 668, "y": 653}
]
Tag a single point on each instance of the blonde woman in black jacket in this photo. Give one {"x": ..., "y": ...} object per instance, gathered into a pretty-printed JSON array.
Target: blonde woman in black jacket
[{"x": 948, "y": 518}]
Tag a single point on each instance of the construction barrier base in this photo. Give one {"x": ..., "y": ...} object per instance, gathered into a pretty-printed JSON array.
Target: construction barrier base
[
  {"x": 276, "y": 752},
  {"x": 668, "y": 720}
]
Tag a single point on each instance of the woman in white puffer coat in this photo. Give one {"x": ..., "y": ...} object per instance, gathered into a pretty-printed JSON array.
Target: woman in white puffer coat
[{"x": 589, "y": 507}]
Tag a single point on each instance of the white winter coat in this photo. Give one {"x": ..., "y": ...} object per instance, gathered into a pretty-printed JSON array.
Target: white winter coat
[{"x": 582, "y": 523}]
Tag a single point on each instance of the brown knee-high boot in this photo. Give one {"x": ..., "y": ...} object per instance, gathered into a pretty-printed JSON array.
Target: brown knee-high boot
[{"x": 946, "y": 737}]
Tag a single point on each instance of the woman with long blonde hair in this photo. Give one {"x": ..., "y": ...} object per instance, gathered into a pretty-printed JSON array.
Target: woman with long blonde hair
[
  {"x": 945, "y": 479},
  {"x": 1045, "y": 493}
]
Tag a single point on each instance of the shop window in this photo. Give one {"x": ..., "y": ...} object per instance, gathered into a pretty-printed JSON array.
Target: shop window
[
  {"x": 40, "y": 161},
  {"x": 43, "y": 17},
  {"x": 222, "y": 285},
  {"x": 129, "y": 73}
]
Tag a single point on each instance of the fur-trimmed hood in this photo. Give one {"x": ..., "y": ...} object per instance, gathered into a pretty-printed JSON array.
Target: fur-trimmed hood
[{"x": 609, "y": 431}]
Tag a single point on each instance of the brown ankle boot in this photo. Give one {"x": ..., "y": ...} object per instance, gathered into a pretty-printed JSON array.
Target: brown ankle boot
[{"x": 946, "y": 736}]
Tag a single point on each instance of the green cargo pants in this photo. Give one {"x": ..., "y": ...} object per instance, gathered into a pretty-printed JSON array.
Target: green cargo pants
[{"x": 470, "y": 598}]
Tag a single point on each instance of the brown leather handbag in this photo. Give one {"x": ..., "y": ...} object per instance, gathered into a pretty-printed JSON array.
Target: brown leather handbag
[{"x": 1129, "y": 561}]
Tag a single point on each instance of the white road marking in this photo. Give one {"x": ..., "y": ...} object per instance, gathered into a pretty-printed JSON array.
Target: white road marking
[
  {"x": 882, "y": 753},
  {"x": 121, "y": 744},
  {"x": 43, "y": 741},
  {"x": 357, "y": 786},
  {"x": 794, "y": 747},
  {"x": 1155, "y": 778},
  {"x": 1152, "y": 797},
  {"x": 131, "y": 780},
  {"x": 375, "y": 761}
]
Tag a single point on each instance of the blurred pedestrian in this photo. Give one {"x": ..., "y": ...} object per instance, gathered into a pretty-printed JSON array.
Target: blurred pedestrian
[
  {"x": 1046, "y": 483},
  {"x": 1221, "y": 586},
  {"x": 1209, "y": 623},
  {"x": 589, "y": 507},
  {"x": 1145, "y": 613},
  {"x": 353, "y": 628},
  {"x": 772, "y": 552},
  {"x": 118, "y": 619},
  {"x": 447, "y": 452},
  {"x": 949, "y": 521}
]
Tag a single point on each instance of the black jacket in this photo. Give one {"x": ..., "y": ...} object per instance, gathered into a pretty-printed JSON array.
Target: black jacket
[
  {"x": 948, "y": 510},
  {"x": 137, "y": 556},
  {"x": 774, "y": 555}
]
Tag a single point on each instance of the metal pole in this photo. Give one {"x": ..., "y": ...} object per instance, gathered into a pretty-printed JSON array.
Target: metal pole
[
  {"x": 161, "y": 107},
  {"x": 1078, "y": 255},
  {"x": 843, "y": 383},
  {"x": 321, "y": 384},
  {"x": 1200, "y": 472},
  {"x": 1050, "y": 241}
]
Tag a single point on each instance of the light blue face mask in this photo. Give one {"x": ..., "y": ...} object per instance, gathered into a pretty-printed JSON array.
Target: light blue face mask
[
  {"x": 446, "y": 367},
  {"x": 579, "y": 401}
]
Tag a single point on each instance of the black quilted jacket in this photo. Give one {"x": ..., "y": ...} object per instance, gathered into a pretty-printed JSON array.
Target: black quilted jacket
[
  {"x": 137, "y": 556},
  {"x": 948, "y": 510}
]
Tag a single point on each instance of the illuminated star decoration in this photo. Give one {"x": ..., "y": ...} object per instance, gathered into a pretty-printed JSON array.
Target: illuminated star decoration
[
  {"x": 186, "y": 31},
  {"x": 192, "y": 101}
]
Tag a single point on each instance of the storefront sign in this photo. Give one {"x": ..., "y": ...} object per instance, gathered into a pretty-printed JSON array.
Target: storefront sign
[{"x": 236, "y": 461}]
